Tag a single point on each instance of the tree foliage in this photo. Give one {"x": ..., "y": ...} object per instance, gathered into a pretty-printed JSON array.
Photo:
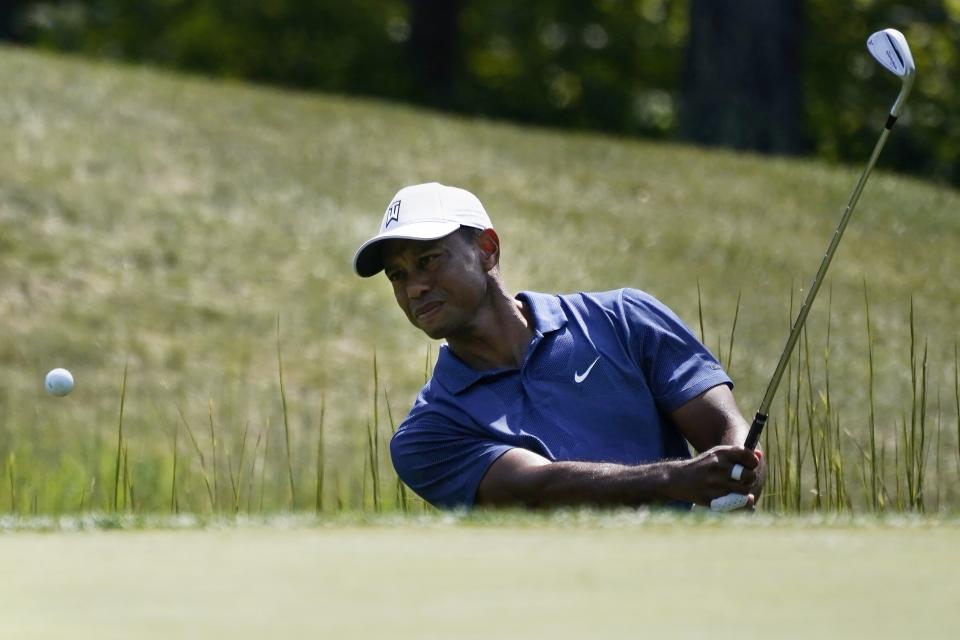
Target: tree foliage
[{"x": 610, "y": 65}]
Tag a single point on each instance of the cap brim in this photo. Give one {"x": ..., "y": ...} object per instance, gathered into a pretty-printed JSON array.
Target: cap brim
[{"x": 368, "y": 260}]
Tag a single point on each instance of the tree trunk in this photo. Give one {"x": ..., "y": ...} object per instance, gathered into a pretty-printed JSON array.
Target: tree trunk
[
  {"x": 434, "y": 49},
  {"x": 741, "y": 84},
  {"x": 10, "y": 11}
]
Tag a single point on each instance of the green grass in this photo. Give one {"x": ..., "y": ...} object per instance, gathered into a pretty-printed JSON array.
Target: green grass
[
  {"x": 569, "y": 575},
  {"x": 189, "y": 240}
]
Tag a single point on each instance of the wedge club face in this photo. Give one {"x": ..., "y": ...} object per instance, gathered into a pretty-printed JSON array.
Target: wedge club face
[{"x": 889, "y": 47}]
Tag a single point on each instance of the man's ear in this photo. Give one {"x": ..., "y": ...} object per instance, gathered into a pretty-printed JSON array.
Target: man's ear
[{"x": 489, "y": 244}]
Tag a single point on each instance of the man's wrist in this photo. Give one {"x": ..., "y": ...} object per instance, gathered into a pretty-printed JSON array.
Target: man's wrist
[{"x": 666, "y": 475}]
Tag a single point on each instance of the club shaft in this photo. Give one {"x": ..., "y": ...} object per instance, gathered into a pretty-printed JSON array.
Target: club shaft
[{"x": 753, "y": 437}]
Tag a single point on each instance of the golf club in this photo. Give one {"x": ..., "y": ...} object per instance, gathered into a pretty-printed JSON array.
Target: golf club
[{"x": 889, "y": 47}]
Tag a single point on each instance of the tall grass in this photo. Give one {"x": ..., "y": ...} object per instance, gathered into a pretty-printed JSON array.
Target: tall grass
[
  {"x": 838, "y": 453},
  {"x": 203, "y": 461},
  {"x": 286, "y": 421},
  {"x": 875, "y": 498},
  {"x": 956, "y": 395},
  {"x": 174, "y": 505},
  {"x": 12, "y": 478},
  {"x": 120, "y": 444},
  {"x": 373, "y": 441},
  {"x": 318, "y": 498},
  {"x": 818, "y": 460}
]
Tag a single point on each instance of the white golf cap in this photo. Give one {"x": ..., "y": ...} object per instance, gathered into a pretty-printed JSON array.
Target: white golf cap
[{"x": 421, "y": 212}]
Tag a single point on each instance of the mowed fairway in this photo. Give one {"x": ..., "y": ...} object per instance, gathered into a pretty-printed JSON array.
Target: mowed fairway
[{"x": 736, "y": 578}]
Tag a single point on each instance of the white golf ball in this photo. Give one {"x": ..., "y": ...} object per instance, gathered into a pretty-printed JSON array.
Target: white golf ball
[{"x": 59, "y": 382}]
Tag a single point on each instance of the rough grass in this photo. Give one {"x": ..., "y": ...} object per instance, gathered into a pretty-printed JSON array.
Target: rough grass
[{"x": 163, "y": 223}]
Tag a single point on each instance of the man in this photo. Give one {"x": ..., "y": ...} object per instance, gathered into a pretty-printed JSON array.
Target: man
[{"x": 545, "y": 400}]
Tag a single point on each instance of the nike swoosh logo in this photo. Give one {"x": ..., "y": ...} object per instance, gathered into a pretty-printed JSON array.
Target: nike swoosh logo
[{"x": 580, "y": 377}]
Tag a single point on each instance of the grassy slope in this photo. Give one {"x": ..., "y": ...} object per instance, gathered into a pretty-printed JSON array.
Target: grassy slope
[
  {"x": 165, "y": 221},
  {"x": 605, "y": 576}
]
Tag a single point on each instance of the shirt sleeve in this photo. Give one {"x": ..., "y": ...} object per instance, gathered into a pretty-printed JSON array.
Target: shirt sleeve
[
  {"x": 441, "y": 461},
  {"x": 677, "y": 365}
]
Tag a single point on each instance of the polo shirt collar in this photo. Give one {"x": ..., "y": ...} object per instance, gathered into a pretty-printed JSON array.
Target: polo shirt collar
[
  {"x": 548, "y": 316},
  {"x": 547, "y": 313}
]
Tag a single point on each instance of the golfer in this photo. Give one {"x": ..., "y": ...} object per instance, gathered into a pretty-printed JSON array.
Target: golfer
[{"x": 548, "y": 400}]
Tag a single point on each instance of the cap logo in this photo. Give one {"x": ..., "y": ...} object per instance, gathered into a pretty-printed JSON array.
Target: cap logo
[{"x": 393, "y": 213}]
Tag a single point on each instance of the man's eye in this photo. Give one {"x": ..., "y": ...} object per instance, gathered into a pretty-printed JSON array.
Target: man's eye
[
  {"x": 394, "y": 276},
  {"x": 428, "y": 259}
]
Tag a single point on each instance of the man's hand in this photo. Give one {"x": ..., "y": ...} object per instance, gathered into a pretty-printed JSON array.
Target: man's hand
[
  {"x": 714, "y": 419},
  {"x": 711, "y": 475}
]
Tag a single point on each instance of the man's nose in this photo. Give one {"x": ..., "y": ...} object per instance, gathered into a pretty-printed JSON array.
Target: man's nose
[{"x": 417, "y": 285}]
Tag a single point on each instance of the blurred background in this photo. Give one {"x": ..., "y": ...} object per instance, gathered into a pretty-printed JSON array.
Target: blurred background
[{"x": 780, "y": 76}]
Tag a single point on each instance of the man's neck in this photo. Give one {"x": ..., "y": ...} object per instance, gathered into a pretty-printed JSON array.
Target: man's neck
[{"x": 499, "y": 337}]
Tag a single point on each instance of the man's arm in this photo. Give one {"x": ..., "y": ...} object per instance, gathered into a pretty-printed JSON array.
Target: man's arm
[
  {"x": 711, "y": 422},
  {"x": 714, "y": 419},
  {"x": 711, "y": 419}
]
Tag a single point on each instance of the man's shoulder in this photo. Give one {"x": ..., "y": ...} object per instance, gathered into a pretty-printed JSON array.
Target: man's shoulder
[
  {"x": 586, "y": 298},
  {"x": 425, "y": 406},
  {"x": 606, "y": 297},
  {"x": 435, "y": 399},
  {"x": 428, "y": 394},
  {"x": 615, "y": 302},
  {"x": 627, "y": 310}
]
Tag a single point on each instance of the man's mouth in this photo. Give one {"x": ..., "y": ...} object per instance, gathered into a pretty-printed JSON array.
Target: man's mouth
[{"x": 427, "y": 309}]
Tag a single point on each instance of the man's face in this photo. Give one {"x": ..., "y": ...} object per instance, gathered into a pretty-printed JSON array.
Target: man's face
[{"x": 439, "y": 284}]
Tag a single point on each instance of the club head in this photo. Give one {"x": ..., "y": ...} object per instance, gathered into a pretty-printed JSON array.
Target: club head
[{"x": 889, "y": 47}]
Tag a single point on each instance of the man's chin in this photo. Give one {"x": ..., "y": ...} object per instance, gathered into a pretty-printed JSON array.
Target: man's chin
[
  {"x": 439, "y": 325},
  {"x": 434, "y": 333}
]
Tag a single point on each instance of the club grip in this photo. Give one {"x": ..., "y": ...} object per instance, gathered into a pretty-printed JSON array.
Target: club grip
[
  {"x": 753, "y": 437},
  {"x": 729, "y": 502}
]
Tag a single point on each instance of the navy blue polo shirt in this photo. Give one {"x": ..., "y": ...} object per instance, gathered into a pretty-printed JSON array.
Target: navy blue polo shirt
[{"x": 597, "y": 383}]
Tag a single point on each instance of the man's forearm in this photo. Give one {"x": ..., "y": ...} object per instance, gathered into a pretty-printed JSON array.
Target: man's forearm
[
  {"x": 594, "y": 484},
  {"x": 521, "y": 477}
]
